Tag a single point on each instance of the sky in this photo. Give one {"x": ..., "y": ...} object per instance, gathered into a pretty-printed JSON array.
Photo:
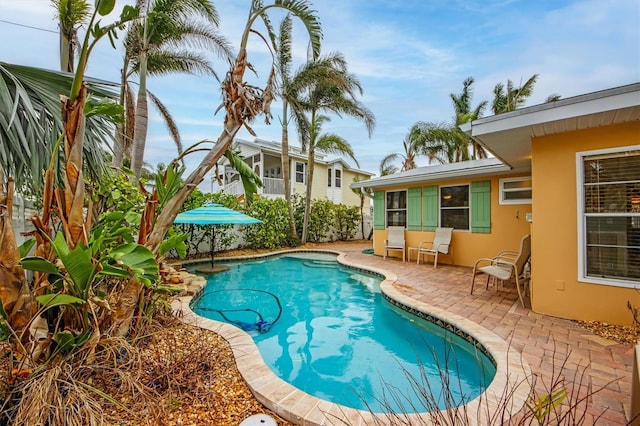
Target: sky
[{"x": 408, "y": 55}]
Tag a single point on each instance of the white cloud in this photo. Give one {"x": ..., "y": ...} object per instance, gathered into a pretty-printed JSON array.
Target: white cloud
[{"x": 409, "y": 56}]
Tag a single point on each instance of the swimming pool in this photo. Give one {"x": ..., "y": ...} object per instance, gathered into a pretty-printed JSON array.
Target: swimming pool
[{"x": 327, "y": 330}]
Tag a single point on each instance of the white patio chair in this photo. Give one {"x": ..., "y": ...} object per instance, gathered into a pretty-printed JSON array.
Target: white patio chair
[
  {"x": 395, "y": 241},
  {"x": 505, "y": 266},
  {"x": 441, "y": 244}
]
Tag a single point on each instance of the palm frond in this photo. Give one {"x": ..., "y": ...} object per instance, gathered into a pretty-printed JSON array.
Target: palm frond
[
  {"x": 283, "y": 49},
  {"x": 165, "y": 63},
  {"x": 31, "y": 123},
  {"x": 302, "y": 10},
  {"x": 169, "y": 121},
  {"x": 250, "y": 179},
  {"x": 333, "y": 144}
]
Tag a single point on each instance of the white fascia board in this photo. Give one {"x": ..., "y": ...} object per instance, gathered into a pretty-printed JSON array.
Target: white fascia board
[
  {"x": 592, "y": 103},
  {"x": 426, "y": 175}
]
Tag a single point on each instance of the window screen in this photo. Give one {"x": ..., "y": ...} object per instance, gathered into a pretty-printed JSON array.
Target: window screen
[
  {"x": 396, "y": 208},
  {"x": 611, "y": 216},
  {"x": 300, "y": 172}
]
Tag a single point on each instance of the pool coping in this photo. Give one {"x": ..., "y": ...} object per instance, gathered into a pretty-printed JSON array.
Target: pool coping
[{"x": 511, "y": 381}]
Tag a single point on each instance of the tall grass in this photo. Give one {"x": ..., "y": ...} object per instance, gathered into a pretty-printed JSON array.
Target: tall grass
[{"x": 553, "y": 399}]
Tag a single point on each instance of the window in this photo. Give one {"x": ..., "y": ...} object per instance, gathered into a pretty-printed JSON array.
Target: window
[
  {"x": 300, "y": 172},
  {"x": 329, "y": 178},
  {"x": 338, "y": 178},
  {"x": 515, "y": 190},
  {"x": 396, "y": 208},
  {"x": 454, "y": 207},
  {"x": 609, "y": 216}
]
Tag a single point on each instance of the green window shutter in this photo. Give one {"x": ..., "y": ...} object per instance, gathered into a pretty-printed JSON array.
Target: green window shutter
[
  {"x": 414, "y": 209},
  {"x": 429, "y": 208},
  {"x": 481, "y": 207},
  {"x": 378, "y": 210}
]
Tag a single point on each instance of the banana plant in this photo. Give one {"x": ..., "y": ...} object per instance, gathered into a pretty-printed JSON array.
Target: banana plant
[{"x": 75, "y": 281}]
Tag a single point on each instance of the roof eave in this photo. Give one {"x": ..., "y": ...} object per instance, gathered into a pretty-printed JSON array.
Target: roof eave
[{"x": 400, "y": 179}]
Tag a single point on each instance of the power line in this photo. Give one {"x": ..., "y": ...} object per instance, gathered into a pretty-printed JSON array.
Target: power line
[{"x": 29, "y": 26}]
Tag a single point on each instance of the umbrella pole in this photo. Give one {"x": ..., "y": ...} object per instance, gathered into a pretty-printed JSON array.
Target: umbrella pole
[{"x": 213, "y": 244}]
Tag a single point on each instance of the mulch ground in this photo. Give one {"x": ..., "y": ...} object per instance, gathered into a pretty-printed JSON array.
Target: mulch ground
[{"x": 207, "y": 387}]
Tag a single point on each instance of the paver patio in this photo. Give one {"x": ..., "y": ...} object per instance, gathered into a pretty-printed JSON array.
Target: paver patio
[
  {"x": 540, "y": 338},
  {"x": 546, "y": 342}
]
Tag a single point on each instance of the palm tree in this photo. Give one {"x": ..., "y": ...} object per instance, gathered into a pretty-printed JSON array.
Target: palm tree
[
  {"x": 333, "y": 90},
  {"x": 288, "y": 86},
  {"x": 511, "y": 98},
  {"x": 447, "y": 143},
  {"x": 362, "y": 193},
  {"x": 156, "y": 46},
  {"x": 408, "y": 157},
  {"x": 71, "y": 14},
  {"x": 242, "y": 104},
  {"x": 464, "y": 113},
  {"x": 441, "y": 142}
]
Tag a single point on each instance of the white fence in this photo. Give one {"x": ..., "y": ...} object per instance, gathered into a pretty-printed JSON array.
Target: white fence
[{"x": 22, "y": 211}]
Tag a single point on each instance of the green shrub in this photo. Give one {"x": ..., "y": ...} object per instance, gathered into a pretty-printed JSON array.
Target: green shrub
[
  {"x": 321, "y": 221},
  {"x": 275, "y": 229},
  {"x": 347, "y": 220}
]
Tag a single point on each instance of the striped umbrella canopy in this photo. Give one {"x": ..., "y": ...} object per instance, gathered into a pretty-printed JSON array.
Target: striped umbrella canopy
[{"x": 215, "y": 214}]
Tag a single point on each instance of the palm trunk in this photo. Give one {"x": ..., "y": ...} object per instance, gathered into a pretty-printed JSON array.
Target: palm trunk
[
  {"x": 169, "y": 212},
  {"x": 120, "y": 135},
  {"x": 124, "y": 311},
  {"x": 285, "y": 167},
  {"x": 362, "y": 214},
  {"x": 66, "y": 52},
  {"x": 238, "y": 112},
  {"x": 17, "y": 300},
  {"x": 73, "y": 119},
  {"x": 307, "y": 198},
  {"x": 140, "y": 133},
  {"x": 142, "y": 113}
]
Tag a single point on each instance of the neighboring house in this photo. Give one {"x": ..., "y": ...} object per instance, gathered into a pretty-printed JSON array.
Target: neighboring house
[
  {"x": 331, "y": 178},
  {"x": 566, "y": 172}
]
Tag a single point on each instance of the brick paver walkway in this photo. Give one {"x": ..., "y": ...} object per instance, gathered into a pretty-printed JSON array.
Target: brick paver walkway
[{"x": 545, "y": 341}]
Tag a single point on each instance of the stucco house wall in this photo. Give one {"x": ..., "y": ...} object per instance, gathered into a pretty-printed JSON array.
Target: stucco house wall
[
  {"x": 557, "y": 290},
  {"x": 508, "y": 226}
]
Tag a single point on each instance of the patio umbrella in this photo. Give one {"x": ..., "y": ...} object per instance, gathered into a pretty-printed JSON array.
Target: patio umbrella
[{"x": 214, "y": 214}]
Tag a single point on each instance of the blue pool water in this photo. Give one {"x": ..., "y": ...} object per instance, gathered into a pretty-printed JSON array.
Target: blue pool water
[{"x": 327, "y": 330}]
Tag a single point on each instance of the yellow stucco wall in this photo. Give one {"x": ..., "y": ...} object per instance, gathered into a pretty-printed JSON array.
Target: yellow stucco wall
[
  {"x": 508, "y": 226},
  {"x": 555, "y": 288},
  {"x": 349, "y": 197},
  {"x": 319, "y": 188}
]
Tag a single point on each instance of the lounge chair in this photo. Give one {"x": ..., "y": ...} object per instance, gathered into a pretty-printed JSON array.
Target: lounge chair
[
  {"x": 395, "y": 241},
  {"x": 505, "y": 266},
  {"x": 441, "y": 244}
]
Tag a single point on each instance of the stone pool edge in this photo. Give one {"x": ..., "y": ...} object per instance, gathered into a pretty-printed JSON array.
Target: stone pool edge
[{"x": 512, "y": 371}]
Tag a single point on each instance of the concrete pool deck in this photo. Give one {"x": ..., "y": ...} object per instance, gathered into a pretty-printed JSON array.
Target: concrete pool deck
[{"x": 486, "y": 314}]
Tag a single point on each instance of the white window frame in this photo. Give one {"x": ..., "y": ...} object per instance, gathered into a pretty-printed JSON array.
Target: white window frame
[
  {"x": 582, "y": 223},
  {"x": 504, "y": 191},
  {"x": 398, "y": 209},
  {"x": 304, "y": 172}
]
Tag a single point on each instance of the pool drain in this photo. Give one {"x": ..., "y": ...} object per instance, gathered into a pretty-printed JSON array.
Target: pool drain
[{"x": 259, "y": 420}]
